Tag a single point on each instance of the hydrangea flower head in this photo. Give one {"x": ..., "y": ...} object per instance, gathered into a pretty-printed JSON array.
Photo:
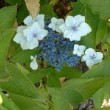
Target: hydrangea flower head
[
  {"x": 33, "y": 63},
  {"x": 75, "y": 27},
  {"x": 79, "y": 49},
  {"x": 40, "y": 19},
  {"x": 55, "y": 24},
  {"x": 91, "y": 57}
]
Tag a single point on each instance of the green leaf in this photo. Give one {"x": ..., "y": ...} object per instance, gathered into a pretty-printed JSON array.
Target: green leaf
[
  {"x": 91, "y": 87},
  {"x": 7, "y": 102},
  {"x": 73, "y": 97},
  {"x": 60, "y": 103},
  {"x": 73, "y": 83},
  {"x": 36, "y": 76},
  {"x": 3, "y": 108},
  {"x": 7, "y": 17},
  {"x": 14, "y": 2},
  {"x": 90, "y": 39},
  {"x": 101, "y": 32},
  {"x": 98, "y": 98},
  {"x": 100, "y": 70},
  {"x": 78, "y": 8},
  {"x": 69, "y": 72},
  {"x": 47, "y": 10},
  {"x": 22, "y": 13},
  {"x": 19, "y": 83},
  {"x": 26, "y": 103},
  {"x": 5, "y": 37},
  {"x": 23, "y": 56},
  {"x": 107, "y": 90},
  {"x": 100, "y": 8},
  {"x": 53, "y": 81}
]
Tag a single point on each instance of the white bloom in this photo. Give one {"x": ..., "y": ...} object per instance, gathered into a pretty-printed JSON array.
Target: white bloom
[
  {"x": 75, "y": 27},
  {"x": 55, "y": 24},
  {"x": 34, "y": 32},
  {"x": 21, "y": 39},
  {"x": 91, "y": 57},
  {"x": 40, "y": 19},
  {"x": 33, "y": 63},
  {"x": 79, "y": 49}
]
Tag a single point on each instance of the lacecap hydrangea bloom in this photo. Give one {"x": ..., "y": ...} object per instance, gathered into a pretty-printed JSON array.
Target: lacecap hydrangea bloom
[
  {"x": 75, "y": 27},
  {"x": 91, "y": 57}
]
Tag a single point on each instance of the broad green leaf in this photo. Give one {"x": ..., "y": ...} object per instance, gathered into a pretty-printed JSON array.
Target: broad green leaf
[
  {"x": 101, "y": 32},
  {"x": 59, "y": 103},
  {"x": 47, "y": 10},
  {"x": 14, "y": 2},
  {"x": 3, "y": 108},
  {"x": 5, "y": 39},
  {"x": 26, "y": 103},
  {"x": 22, "y": 13},
  {"x": 23, "y": 56},
  {"x": 73, "y": 83},
  {"x": 8, "y": 103},
  {"x": 69, "y": 72},
  {"x": 35, "y": 76},
  {"x": 73, "y": 97},
  {"x": 99, "y": 7},
  {"x": 53, "y": 81},
  {"x": 107, "y": 90},
  {"x": 78, "y": 8},
  {"x": 90, "y": 39},
  {"x": 7, "y": 17},
  {"x": 98, "y": 98},
  {"x": 19, "y": 83},
  {"x": 99, "y": 70},
  {"x": 91, "y": 87}
]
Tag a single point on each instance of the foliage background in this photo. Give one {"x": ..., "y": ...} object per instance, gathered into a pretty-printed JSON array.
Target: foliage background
[{"x": 41, "y": 89}]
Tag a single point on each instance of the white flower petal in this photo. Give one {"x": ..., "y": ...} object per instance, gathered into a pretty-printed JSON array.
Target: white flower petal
[
  {"x": 70, "y": 21},
  {"x": 63, "y": 27},
  {"x": 40, "y": 20},
  {"x": 35, "y": 28},
  {"x": 34, "y": 65},
  {"x": 90, "y": 51},
  {"x": 99, "y": 55},
  {"x": 18, "y": 37},
  {"x": 21, "y": 28},
  {"x": 54, "y": 20},
  {"x": 29, "y": 44},
  {"x": 42, "y": 34},
  {"x": 89, "y": 63},
  {"x": 28, "y": 20},
  {"x": 79, "y": 19},
  {"x": 84, "y": 29},
  {"x": 28, "y": 34}
]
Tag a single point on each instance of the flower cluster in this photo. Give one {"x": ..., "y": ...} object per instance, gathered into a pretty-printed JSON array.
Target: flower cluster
[{"x": 57, "y": 40}]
